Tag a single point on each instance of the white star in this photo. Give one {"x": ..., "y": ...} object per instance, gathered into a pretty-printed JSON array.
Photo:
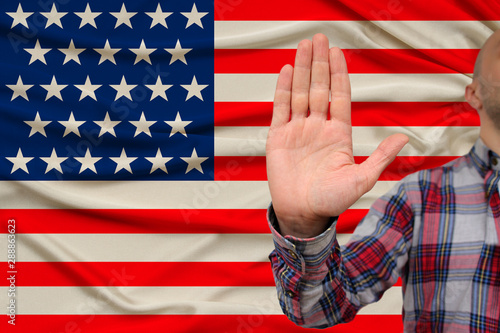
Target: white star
[
  {"x": 53, "y": 89},
  {"x": 107, "y": 53},
  {"x": 178, "y": 53},
  {"x": 37, "y": 125},
  {"x": 123, "y": 17},
  {"x": 142, "y": 53},
  {"x": 194, "y": 17},
  {"x": 53, "y": 17},
  {"x": 178, "y": 125},
  {"x": 71, "y": 125},
  {"x": 19, "y": 161},
  {"x": 158, "y": 89},
  {"x": 71, "y": 53},
  {"x": 37, "y": 53},
  {"x": 142, "y": 125},
  {"x": 88, "y": 17},
  {"x": 123, "y": 89},
  {"x": 158, "y": 162},
  {"x": 88, "y": 89},
  {"x": 123, "y": 162},
  {"x": 194, "y": 89},
  {"x": 53, "y": 162},
  {"x": 107, "y": 125},
  {"x": 19, "y": 89},
  {"x": 19, "y": 17},
  {"x": 88, "y": 162},
  {"x": 194, "y": 162},
  {"x": 159, "y": 17}
]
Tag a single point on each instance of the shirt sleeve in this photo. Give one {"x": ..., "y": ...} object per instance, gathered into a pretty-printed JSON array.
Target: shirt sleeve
[{"x": 320, "y": 283}]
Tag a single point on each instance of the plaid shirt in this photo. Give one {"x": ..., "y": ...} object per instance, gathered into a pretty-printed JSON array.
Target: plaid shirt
[{"x": 438, "y": 230}]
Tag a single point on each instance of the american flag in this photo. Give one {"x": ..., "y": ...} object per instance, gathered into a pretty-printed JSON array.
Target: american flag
[{"x": 132, "y": 166}]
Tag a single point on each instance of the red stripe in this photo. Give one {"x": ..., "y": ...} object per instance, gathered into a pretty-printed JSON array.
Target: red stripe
[
  {"x": 358, "y": 61},
  {"x": 405, "y": 165},
  {"x": 94, "y": 221},
  {"x": 116, "y": 221},
  {"x": 252, "y": 323},
  {"x": 363, "y": 114},
  {"x": 240, "y": 168},
  {"x": 137, "y": 274},
  {"x": 243, "y": 113},
  {"x": 130, "y": 274},
  {"x": 349, "y": 220},
  {"x": 299, "y": 10},
  {"x": 413, "y": 114},
  {"x": 237, "y": 168}
]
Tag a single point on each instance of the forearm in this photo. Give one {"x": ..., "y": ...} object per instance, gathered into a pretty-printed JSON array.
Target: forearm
[
  {"x": 314, "y": 273},
  {"x": 300, "y": 268}
]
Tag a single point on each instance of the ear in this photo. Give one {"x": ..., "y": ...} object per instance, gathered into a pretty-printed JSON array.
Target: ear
[{"x": 472, "y": 95}]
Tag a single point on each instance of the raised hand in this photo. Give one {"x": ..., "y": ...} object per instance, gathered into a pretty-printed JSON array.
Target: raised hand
[{"x": 310, "y": 166}]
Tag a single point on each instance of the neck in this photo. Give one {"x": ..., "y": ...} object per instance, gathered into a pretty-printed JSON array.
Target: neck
[{"x": 490, "y": 134}]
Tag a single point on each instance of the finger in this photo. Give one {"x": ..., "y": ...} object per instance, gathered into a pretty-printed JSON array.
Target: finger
[
  {"x": 281, "y": 106},
  {"x": 340, "y": 106},
  {"x": 301, "y": 79},
  {"x": 385, "y": 153},
  {"x": 320, "y": 77}
]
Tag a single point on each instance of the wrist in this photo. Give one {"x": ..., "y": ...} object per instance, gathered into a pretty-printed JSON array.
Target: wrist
[
  {"x": 300, "y": 227},
  {"x": 297, "y": 230}
]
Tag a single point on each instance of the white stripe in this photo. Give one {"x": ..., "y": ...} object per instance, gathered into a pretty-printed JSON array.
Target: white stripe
[
  {"x": 380, "y": 188},
  {"x": 390, "y": 303},
  {"x": 365, "y": 87},
  {"x": 354, "y": 34},
  {"x": 163, "y": 300},
  {"x": 134, "y": 194},
  {"x": 148, "y": 195},
  {"x": 424, "y": 140},
  {"x": 144, "y": 248}
]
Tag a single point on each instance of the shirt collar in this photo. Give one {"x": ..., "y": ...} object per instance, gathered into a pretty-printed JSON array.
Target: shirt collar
[{"x": 483, "y": 158}]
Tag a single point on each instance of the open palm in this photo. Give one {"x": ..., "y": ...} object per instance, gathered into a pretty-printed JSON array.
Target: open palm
[{"x": 311, "y": 171}]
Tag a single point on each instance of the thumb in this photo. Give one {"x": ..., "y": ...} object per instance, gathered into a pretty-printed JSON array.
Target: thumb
[{"x": 385, "y": 153}]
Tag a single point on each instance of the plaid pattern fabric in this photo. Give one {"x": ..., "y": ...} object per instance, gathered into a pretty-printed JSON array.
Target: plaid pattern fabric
[{"x": 438, "y": 230}]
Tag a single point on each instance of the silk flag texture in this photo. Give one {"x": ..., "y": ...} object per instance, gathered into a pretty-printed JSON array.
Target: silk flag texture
[{"x": 132, "y": 151}]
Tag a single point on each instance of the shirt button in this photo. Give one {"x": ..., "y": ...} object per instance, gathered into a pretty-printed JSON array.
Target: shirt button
[
  {"x": 290, "y": 293},
  {"x": 494, "y": 161},
  {"x": 292, "y": 254}
]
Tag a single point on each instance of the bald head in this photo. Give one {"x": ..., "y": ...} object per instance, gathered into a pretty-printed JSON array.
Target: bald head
[
  {"x": 483, "y": 93},
  {"x": 477, "y": 65},
  {"x": 487, "y": 55}
]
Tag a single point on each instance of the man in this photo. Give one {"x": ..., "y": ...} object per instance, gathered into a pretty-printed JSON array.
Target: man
[{"x": 438, "y": 230}]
